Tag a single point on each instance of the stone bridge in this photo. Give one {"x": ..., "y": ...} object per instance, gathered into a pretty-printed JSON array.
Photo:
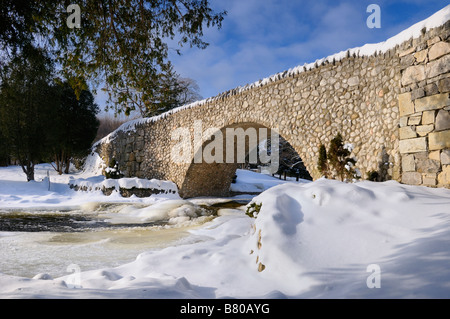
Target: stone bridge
[{"x": 393, "y": 106}]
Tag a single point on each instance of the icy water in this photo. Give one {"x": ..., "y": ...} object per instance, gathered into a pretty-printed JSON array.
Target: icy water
[
  {"x": 59, "y": 221},
  {"x": 101, "y": 236}
]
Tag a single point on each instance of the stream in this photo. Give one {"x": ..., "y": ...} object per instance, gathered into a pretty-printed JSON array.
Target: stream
[{"x": 99, "y": 235}]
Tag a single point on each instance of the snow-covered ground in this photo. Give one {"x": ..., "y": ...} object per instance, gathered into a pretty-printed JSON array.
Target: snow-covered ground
[
  {"x": 251, "y": 182},
  {"x": 323, "y": 239}
]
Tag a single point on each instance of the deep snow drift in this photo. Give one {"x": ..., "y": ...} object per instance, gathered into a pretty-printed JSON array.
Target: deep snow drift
[{"x": 314, "y": 240}]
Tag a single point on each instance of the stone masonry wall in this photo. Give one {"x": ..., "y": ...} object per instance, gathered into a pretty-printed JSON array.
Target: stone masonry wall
[
  {"x": 393, "y": 107},
  {"x": 424, "y": 106}
]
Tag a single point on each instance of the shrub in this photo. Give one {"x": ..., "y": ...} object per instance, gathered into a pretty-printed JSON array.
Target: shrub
[
  {"x": 322, "y": 163},
  {"x": 112, "y": 171},
  {"x": 337, "y": 161},
  {"x": 253, "y": 209},
  {"x": 373, "y": 176}
]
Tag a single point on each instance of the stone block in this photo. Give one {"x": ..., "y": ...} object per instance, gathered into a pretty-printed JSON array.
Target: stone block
[
  {"x": 433, "y": 102},
  {"x": 438, "y": 140},
  {"x": 353, "y": 81},
  {"x": 444, "y": 176},
  {"x": 445, "y": 157},
  {"x": 408, "y": 163},
  {"x": 438, "y": 49},
  {"x": 428, "y": 166},
  {"x": 128, "y": 148},
  {"x": 413, "y": 145},
  {"x": 403, "y": 121},
  {"x": 407, "y": 60},
  {"x": 435, "y": 155},
  {"x": 429, "y": 180},
  {"x": 428, "y": 117},
  {"x": 412, "y": 178},
  {"x": 434, "y": 68},
  {"x": 421, "y": 156},
  {"x": 433, "y": 40},
  {"x": 407, "y": 51},
  {"x": 417, "y": 93},
  {"x": 423, "y": 130},
  {"x": 139, "y": 145},
  {"x": 421, "y": 56},
  {"x": 431, "y": 89},
  {"x": 442, "y": 120},
  {"x": 414, "y": 74},
  {"x": 414, "y": 120},
  {"x": 407, "y": 132},
  {"x": 405, "y": 104},
  {"x": 444, "y": 85}
]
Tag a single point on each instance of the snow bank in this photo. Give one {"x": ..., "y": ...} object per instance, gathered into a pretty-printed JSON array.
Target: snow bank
[
  {"x": 177, "y": 212},
  {"x": 17, "y": 193},
  {"x": 100, "y": 182},
  {"x": 314, "y": 240},
  {"x": 319, "y": 238},
  {"x": 94, "y": 165},
  {"x": 253, "y": 182}
]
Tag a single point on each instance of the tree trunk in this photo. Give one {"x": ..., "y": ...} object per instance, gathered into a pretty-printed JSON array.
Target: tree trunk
[
  {"x": 28, "y": 169},
  {"x": 30, "y": 174},
  {"x": 59, "y": 163},
  {"x": 67, "y": 165}
]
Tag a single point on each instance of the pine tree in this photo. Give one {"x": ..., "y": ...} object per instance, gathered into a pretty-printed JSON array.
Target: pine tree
[
  {"x": 75, "y": 125},
  {"x": 25, "y": 101},
  {"x": 338, "y": 157},
  {"x": 4, "y": 149},
  {"x": 123, "y": 43}
]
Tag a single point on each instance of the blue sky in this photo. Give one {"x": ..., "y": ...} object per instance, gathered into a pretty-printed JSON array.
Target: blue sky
[{"x": 263, "y": 37}]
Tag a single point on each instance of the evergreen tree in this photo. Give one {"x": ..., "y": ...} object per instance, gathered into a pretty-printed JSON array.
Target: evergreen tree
[
  {"x": 338, "y": 157},
  {"x": 74, "y": 127},
  {"x": 4, "y": 149},
  {"x": 123, "y": 43},
  {"x": 25, "y": 100},
  {"x": 16, "y": 21}
]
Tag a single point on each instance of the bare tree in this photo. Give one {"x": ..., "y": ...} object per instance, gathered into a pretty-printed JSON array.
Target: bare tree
[{"x": 190, "y": 92}]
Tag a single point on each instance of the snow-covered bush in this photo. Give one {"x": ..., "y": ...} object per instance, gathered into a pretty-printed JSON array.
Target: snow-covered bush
[
  {"x": 112, "y": 171},
  {"x": 337, "y": 160}
]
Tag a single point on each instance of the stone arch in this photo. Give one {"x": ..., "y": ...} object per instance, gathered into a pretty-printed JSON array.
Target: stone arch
[{"x": 214, "y": 178}]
